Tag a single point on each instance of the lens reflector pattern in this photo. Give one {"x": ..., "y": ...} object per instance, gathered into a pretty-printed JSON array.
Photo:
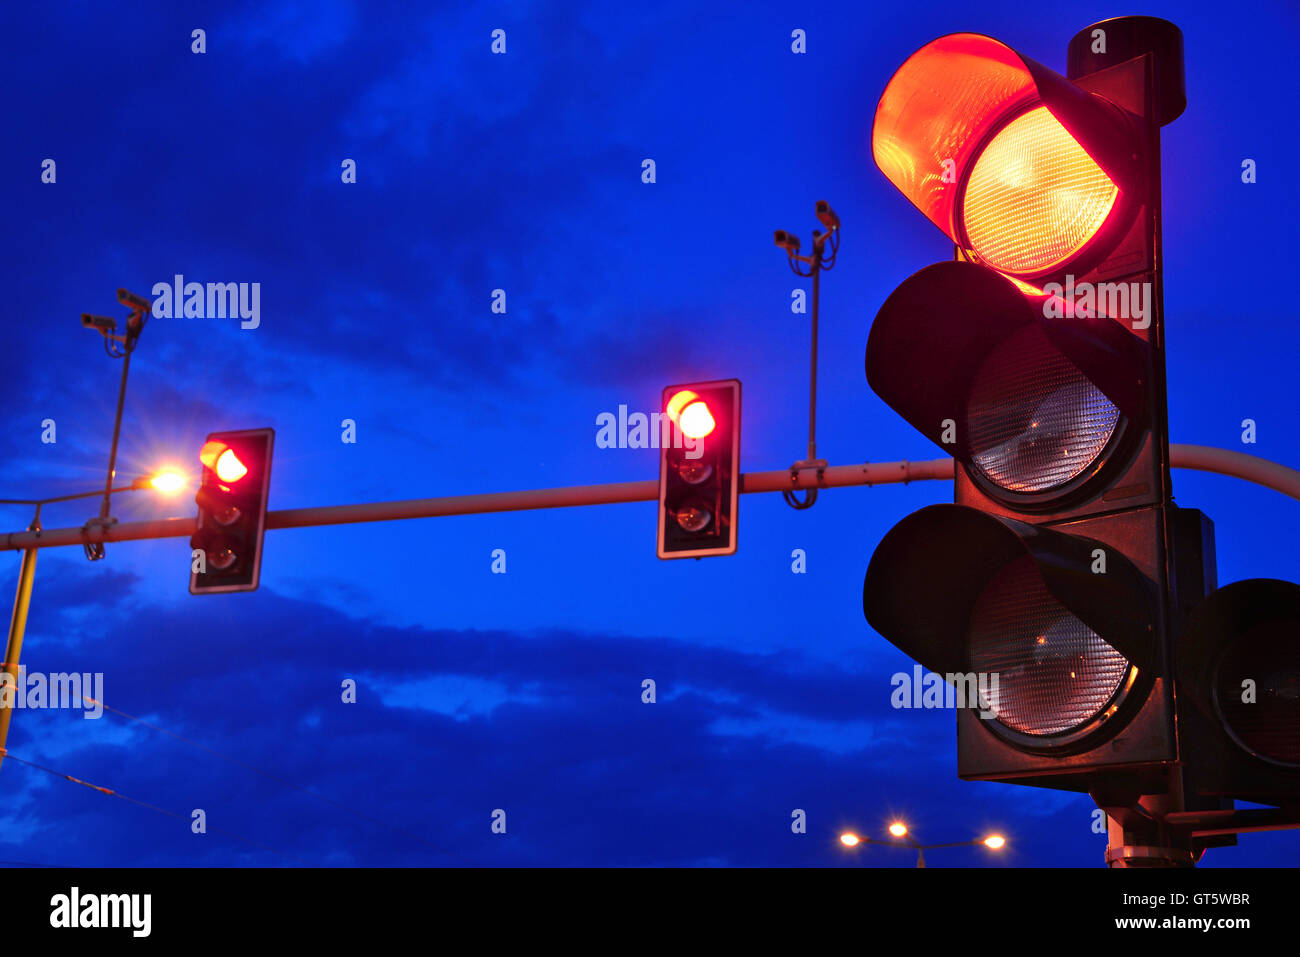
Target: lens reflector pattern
[
  {"x": 1054, "y": 672},
  {"x": 1034, "y": 421},
  {"x": 1035, "y": 197}
]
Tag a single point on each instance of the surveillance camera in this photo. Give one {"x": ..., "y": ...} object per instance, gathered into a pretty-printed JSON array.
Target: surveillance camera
[
  {"x": 102, "y": 323},
  {"x": 787, "y": 241},
  {"x": 132, "y": 301},
  {"x": 827, "y": 215}
]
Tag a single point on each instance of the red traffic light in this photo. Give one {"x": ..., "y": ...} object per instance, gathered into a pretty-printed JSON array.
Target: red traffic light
[
  {"x": 699, "y": 481},
  {"x": 1014, "y": 162},
  {"x": 691, "y": 414},
  {"x": 222, "y": 460},
  {"x": 232, "y": 497}
]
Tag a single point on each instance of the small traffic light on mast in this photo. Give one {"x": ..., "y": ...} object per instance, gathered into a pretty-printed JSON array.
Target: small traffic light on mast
[
  {"x": 699, "y": 469},
  {"x": 232, "y": 511}
]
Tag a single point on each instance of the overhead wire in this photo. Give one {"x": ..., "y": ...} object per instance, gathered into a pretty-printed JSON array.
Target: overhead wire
[
  {"x": 111, "y": 792},
  {"x": 268, "y": 775}
]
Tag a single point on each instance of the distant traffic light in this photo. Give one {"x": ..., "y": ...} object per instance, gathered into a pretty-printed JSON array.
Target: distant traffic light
[
  {"x": 232, "y": 511},
  {"x": 699, "y": 469}
]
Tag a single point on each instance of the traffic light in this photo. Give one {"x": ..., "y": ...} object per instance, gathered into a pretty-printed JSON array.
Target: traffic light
[
  {"x": 1064, "y": 593},
  {"x": 232, "y": 511},
  {"x": 1240, "y": 668},
  {"x": 1050, "y": 581},
  {"x": 699, "y": 469}
]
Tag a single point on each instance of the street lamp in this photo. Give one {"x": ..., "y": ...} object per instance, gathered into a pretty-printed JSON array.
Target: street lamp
[
  {"x": 167, "y": 481},
  {"x": 902, "y": 838}
]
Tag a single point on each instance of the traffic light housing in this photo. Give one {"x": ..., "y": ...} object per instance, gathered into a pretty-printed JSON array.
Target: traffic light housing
[
  {"x": 232, "y": 511},
  {"x": 1239, "y": 690},
  {"x": 1049, "y": 418},
  {"x": 699, "y": 469},
  {"x": 1036, "y": 359}
]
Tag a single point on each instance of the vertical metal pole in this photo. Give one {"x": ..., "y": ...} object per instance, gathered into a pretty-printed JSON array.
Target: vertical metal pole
[
  {"x": 105, "y": 508},
  {"x": 812, "y": 394},
  {"x": 17, "y": 626}
]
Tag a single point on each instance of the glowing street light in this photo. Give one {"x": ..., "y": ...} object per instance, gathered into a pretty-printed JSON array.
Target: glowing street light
[
  {"x": 899, "y": 831},
  {"x": 168, "y": 480}
]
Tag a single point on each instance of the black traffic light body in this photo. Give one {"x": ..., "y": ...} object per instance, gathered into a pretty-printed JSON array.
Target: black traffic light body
[
  {"x": 232, "y": 500},
  {"x": 954, "y": 354},
  {"x": 1036, "y": 359},
  {"x": 1238, "y": 672},
  {"x": 699, "y": 474}
]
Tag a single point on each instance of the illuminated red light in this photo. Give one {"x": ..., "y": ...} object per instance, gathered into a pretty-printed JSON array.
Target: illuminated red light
[
  {"x": 229, "y": 468},
  {"x": 222, "y": 460},
  {"x": 988, "y": 145},
  {"x": 678, "y": 402},
  {"x": 935, "y": 110},
  {"x": 697, "y": 421},
  {"x": 691, "y": 414},
  {"x": 1034, "y": 197}
]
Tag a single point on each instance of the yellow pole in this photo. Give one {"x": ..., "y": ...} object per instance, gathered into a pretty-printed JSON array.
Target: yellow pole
[{"x": 17, "y": 625}]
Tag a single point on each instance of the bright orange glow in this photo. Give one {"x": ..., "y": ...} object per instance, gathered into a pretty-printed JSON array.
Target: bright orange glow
[
  {"x": 168, "y": 480},
  {"x": 849, "y": 839},
  {"x": 995, "y": 841},
  {"x": 936, "y": 110},
  {"x": 208, "y": 454},
  {"x": 229, "y": 468},
  {"x": 679, "y": 402},
  {"x": 697, "y": 421},
  {"x": 1026, "y": 288},
  {"x": 1034, "y": 197},
  {"x": 898, "y": 829},
  {"x": 222, "y": 459}
]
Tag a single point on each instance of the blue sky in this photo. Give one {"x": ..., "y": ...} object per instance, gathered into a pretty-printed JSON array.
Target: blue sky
[{"x": 522, "y": 172}]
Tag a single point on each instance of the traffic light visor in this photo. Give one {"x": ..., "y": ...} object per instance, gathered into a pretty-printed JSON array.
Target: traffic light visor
[
  {"x": 1010, "y": 159},
  {"x": 1030, "y": 403},
  {"x": 960, "y": 590}
]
